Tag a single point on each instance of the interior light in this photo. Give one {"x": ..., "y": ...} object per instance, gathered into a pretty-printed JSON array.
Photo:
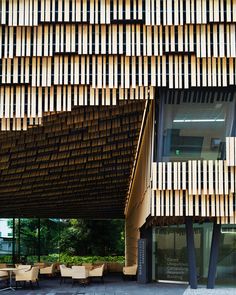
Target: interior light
[
  {"x": 198, "y": 120},
  {"x": 228, "y": 231}
]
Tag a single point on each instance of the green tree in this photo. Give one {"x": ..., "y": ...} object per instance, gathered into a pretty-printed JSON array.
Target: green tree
[{"x": 93, "y": 237}]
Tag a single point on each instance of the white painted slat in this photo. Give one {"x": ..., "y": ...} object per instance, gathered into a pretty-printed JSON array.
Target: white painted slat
[
  {"x": 171, "y": 203},
  {"x": 177, "y": 202},
  {"x": 162, "y": 202},
  {"x": 199, "y": 177},
  {"x": 234, "y": 10},
  {"x": 231, "y": 154},
  {"x": 160, "y": 186},
  {"x": 186, "y": 73},
  {"x": 164, "y": 176},
  {"x": 167, "y": 200},
  {"x": 158, "y": 12},
  {"x": 184, "y": 175},
  {"x": 153, "y": 213},
  {"x": 194, "y": 177},
  {"x": 216, "y": 178},
  {"x": 203, "y": 204},
  {"x": 190, "y": 177},
  {"x": 175, "y": 178},
  {"x": 158, "y": 203},
  {"x": 169, "y": 176},
  {"x": 210, "y": 177}
]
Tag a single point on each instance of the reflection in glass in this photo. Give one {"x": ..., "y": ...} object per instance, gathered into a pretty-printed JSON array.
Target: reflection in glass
[
  {"x": 171, "y": 254},
  {"x": 6, "y": 239},
  {"x": 196, "y": 130},
  {"x": 226, "y": 266}
]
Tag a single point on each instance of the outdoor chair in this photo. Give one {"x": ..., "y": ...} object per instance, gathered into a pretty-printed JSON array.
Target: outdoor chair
[
  {"x": 56, "y": 268},
  {"x": 40, "y": 264},
  {"x": 21, "y": 267},
  {"x": 48, "y": 270},
  {"x": 30, "y": 276},
  {"x": 99, "y": 263},
  {"x": 130, "y": 270},
  {"x": 81, "y": 274},
  {"x": 3, "y": 274},
  {"x": 66, "y": 272},
  {"x": 3, "y": 265},
  {"x": 97, "y": 272}
]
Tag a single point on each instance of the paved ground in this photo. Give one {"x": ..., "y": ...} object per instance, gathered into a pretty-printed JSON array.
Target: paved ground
[
  {"x": 116, "y": 286},
  {"x": 216, "y": 291}
]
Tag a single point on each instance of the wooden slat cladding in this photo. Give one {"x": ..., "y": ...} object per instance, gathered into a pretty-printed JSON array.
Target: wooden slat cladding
[
  {"x": 21, "y": 106},
  {"x": 205, "y": 41},
  {"x": 119, "y": 72},
  {"x": 78, "y": 164},
  {"x": 231, "y": 151},
  {"x": 196, "y": 188},
  {"x": 137, "y": 207},
  {"x": 151, "y": 12},
  {"x": 57, "y": 54}
]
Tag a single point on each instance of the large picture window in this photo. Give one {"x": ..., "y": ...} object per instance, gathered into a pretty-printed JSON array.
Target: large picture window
[{"x": 194, "y": 124}]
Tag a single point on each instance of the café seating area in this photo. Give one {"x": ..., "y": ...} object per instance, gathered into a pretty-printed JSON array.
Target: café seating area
[
  {"x": 25, "y": 276},
  {"x": 82, "y": 273}
]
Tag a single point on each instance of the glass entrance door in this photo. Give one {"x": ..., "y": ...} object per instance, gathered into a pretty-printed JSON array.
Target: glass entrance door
[
  {"x": 170, "y": 254},
  {"x": 226, "y": 265}
]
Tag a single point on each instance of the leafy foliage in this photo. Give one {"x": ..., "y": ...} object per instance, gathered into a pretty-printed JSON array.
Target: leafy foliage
[
  {"x": 70, "y": 240},
  {"x": 68, "y": 259},
  {"x": 93, "y": 237}
]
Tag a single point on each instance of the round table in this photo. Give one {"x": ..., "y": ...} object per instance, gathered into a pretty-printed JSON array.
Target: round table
[{"x": 10, "y": 270}]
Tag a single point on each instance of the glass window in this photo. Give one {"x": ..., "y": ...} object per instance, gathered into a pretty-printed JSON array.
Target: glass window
[
  {"x": 195, "y": 129},
  {"x": 226, "y": 266},
  {"x": 170, "y": 250}
]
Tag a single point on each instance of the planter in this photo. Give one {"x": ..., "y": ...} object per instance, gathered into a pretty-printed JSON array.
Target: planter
[{"x": 115, "y": 267}]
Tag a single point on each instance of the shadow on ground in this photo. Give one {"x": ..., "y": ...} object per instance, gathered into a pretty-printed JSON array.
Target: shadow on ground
[{"x": 113, "y": 285}]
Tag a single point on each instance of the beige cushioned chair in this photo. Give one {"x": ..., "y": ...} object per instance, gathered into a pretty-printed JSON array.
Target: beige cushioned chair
[
  {"x": 97, "y": 272},
  {"x": 40, "y": 264},
  {"x": 30, "y": 276},
  {"x": 48, "y": 270},
  {"x": 66, "y": 272},
  {"x": 23, "y": 267},
  {"x": 81, "y": 274},
  {"x": 3, "y": 274}
]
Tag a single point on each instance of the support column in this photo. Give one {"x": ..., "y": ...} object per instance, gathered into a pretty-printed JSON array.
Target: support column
[
  {"x": 13, "y": 241},
  {"x": 146, "y": 233},
  {"x": 214, "y": 256},
  {"x": 39, "y": 254},
  {"x": 191, "y": 253},
  {"x": 19, "y": 234}
]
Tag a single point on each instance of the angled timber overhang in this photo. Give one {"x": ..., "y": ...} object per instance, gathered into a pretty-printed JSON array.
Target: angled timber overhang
[{"x": 77, "y": 164}]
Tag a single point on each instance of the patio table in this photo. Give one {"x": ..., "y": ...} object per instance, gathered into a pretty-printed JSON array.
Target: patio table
[{"x": 10, "y": 270}]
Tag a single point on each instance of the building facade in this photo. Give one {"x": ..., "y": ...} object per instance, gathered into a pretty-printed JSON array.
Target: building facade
[
  {"x": 6, "y": 236},
  {"x": 111, "y": 106},
  {"x": 182, "y": 196}
]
